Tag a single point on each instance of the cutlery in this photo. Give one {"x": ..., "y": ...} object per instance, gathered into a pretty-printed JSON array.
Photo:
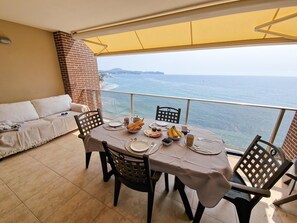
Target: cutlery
[{"x": 152, "y": 146}]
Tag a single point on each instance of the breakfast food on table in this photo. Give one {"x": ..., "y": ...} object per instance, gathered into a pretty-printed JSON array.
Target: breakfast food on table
[
  {"x": 174, "y": 133},
  {"x": 135, "y": 126}
]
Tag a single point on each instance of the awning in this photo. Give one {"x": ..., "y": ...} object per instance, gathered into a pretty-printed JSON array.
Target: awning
[{"x": 272, "y": 26}]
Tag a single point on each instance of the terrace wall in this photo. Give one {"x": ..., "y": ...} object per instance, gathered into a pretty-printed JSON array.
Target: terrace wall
[
  {"x": 79, "y": 70},
  {"x": 29, "y": 66},
  {"x": 290, "y": 143}
]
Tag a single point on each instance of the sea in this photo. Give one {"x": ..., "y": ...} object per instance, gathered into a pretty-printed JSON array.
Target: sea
[{"x": 237, "y": 125}]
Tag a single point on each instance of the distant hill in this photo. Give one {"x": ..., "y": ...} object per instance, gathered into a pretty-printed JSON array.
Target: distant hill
[{"x": 121, "y": 71}]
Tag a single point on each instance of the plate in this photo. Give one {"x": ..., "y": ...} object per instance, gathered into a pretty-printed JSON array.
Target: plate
[
  {"x": 139, "y": 146},
  {"x": 115, "y": 124},
  {"x": 152, "y": 134},
  {"x": 162, "y": 124}
]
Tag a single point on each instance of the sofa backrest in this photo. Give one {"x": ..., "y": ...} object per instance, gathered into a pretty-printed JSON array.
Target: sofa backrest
[
  {"x": 18, "y": 112},
  {"x": 52, "y": 105}
]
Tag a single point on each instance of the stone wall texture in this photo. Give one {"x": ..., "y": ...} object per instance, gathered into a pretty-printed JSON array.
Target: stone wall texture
[{"x": 79, "y": 70}]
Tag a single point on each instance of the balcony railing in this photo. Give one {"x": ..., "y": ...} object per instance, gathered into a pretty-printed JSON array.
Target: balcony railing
[{"x": 236, "y": 122}]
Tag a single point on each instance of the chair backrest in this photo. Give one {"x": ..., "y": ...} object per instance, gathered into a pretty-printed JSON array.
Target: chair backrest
[
  {"x": 168, "y": 114},
  {"x": 87, "y": 121},
  {"x": 263, "y": 164},
  {"x": 133, "y": 171}
]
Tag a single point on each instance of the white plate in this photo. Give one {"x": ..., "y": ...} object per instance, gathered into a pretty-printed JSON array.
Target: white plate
[
  {"x": 162, "y": 124},
  {"x": 151, "y": 133},
  {"x": 139, "y": 146},
  {"x": 115, "y": 124}
]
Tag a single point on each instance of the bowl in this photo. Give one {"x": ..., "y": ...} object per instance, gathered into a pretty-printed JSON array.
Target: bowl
[
  {"x": 133, "y": 131},
  {"x": 167, "y": 141}
]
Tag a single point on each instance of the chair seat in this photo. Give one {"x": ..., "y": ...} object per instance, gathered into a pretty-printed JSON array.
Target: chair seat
[{"x": 234, "y": 194}]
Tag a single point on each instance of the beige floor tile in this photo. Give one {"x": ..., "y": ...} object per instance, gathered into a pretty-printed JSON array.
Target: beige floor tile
[
  {"x": 8, "y": 200},
  {"x": 108, "y": 215},
  {"x": 80, "y": 208},
  {"x": 132, "y": 204},
  {"x": 50, "y": 198},
  {"x": 167, "y": 210},
  {"x": 63, "y": 166},
  {"x": 81, "y": 177},
  {"x": 18, "y": 166},
  {"x": 224, "y": 211},
  {"x": 20, "y": 214},
  {"x": 27, "y": 186},
  {"x": 101, "y": 190}
]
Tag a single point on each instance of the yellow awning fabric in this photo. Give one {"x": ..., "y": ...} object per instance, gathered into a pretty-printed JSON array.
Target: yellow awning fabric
[{"x": 259, "y": 27}]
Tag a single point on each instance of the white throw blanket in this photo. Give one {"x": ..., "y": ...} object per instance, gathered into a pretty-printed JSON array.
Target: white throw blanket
[{"x": 8, "y": 125}]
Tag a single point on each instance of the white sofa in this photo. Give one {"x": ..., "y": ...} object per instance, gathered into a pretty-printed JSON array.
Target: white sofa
[{"x": 40, "y": 120}]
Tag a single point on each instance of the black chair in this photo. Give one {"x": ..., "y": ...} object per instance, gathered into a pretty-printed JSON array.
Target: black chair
[
  {"x": 135, "y": 173},
  {"x": 168, "y": 114},
  {"x": 85, "y": 123},
  {"x": 260, "y": 166},
  {"x": 292, "y": 174},
  {"x": 172, "y": 115}
]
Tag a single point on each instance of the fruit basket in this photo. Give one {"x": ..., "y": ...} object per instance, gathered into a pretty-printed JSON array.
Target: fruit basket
[
  {"x": 174, "y": 134},
  {"x": 135, "y": 127}
]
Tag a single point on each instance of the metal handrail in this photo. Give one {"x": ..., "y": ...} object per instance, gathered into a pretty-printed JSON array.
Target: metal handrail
[
  {"x": 273, "y": 133},
  {"x": 205, "y": 100}
]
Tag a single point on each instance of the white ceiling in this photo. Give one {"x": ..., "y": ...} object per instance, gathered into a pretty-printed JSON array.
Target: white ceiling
[{"x": 71, "y": 15}]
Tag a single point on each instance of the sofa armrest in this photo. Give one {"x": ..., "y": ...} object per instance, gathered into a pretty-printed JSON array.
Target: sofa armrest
[{"x": 79, "y": 107}]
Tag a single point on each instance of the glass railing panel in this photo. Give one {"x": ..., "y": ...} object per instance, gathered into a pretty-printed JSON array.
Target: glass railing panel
[
  {"x": 237, "y": 125},
  {"x": 284, "y": 127},
  {"x": 115, "y": 105},
  {"x": 145, "y": 106}
]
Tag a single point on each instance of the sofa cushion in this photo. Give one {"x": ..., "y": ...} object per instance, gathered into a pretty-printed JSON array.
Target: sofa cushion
[
  {"x": 52, "y": 105},
  {"x": 62, "y": 123},
  {"x": 18, "y": 112},
  {"x": 30, "y": 134}
]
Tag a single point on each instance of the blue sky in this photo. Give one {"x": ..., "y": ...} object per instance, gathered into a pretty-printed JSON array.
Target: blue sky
[{"x": 279, "y": 60}]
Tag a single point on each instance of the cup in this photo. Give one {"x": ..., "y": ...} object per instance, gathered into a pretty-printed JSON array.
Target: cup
[
  {"x": 126, "y": 121},
  {"x": 185, "y": 129},
  {"x": 190, "y": 140}
]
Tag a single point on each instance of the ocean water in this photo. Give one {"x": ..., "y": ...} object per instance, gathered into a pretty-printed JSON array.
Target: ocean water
[{"x": 237, "y": 125}]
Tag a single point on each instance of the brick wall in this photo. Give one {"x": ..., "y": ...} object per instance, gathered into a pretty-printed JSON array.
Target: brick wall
[
  {"x": 79, "y": 70},
  {"x": 290, "y": 143}
]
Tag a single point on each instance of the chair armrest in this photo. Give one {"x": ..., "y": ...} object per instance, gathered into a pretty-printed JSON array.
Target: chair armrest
[
  {"x": 250, "y": 190},
  {"x": 234, "y": 152},
  {"x": 79, "y": 107}
]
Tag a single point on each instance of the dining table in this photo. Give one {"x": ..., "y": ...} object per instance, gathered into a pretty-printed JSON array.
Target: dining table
[{"x": 204, "y": 168}]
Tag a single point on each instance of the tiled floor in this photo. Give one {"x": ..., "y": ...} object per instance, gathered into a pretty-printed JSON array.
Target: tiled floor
[{"x": 51, "y": 184}]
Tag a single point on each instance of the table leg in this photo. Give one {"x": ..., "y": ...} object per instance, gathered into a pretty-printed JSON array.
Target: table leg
[
  {"x": 199, "y": 213},
  {"x": 181, "y": 189}
]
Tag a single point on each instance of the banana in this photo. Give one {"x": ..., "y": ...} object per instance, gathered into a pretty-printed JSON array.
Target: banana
[
  {"x": 177, "y": 131},
  {"x": 175, "y": 135},
  {"x": 170, "y": 135}
]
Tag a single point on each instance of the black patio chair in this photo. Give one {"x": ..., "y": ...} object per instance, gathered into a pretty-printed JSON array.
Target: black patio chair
[
  {"x": 292, "y": 174},
  {"x": 135, "y": 173},
  {"x": 172, "y": 115},
  {"x": 85, "y": 123},
  {"x": 258, "y": 169},
  {"x": 168, "y": 114}
]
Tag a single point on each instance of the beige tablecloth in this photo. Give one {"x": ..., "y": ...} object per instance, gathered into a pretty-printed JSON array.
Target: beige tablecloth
[{"x": 207, "y": 174}]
